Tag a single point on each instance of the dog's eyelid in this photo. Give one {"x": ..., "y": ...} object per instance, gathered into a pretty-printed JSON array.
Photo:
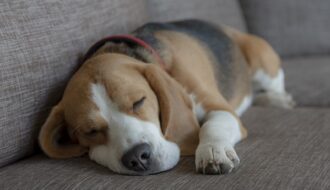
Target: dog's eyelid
[
  {"x": 138, "y": 104},
  {"x": 92, "y": 132}
]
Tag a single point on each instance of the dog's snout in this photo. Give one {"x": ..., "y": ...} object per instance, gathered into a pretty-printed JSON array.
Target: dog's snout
[{"x": 139, "y": 158}]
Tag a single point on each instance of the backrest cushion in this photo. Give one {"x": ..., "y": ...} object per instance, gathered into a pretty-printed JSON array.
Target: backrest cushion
[
  {"x": 41, "y": 41},
  {"x": 217, "y": 11},
  {"x": 293, "y": 27}
]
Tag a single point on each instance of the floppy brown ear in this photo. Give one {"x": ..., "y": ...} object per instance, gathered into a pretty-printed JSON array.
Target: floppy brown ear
[
  {"x": 178, "y": 121},
  {"x": 54, "y": 138}
]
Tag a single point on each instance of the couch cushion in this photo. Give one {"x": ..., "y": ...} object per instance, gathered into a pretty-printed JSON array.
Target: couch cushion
[
  {"x": 293, "y": 27},
  {"x": 217, "y": 11},
  {"x": 308, "y": 79},
  {"x": 40, "y": 45},
  {"x": 284, "y": 150}
]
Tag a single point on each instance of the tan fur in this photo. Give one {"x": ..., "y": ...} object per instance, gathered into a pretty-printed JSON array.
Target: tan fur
[
  {"x": 192, "y": 67},
  {"x": 50, "y": 131},
  {"x": 258, "y": 53},
  {"x": 242, "y": 84},
  {"x": 179, "y": 124}
]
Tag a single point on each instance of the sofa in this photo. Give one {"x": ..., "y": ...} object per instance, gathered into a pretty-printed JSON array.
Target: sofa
[{"x": 41, "y": 46}]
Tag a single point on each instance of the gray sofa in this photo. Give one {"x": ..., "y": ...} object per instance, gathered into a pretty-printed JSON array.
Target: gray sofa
[{"x": 42, "y": 41}]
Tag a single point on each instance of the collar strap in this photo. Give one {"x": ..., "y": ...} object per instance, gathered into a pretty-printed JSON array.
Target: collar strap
[{"x": 127, "y": 39}]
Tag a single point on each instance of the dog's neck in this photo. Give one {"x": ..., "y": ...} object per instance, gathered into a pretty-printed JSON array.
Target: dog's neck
[
  {"x": 139, "y": 53},
  {"x": 134, "y": 47}
]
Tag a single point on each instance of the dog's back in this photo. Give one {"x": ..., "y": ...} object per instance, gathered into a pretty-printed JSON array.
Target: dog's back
[{"x": 229, "y": 65}]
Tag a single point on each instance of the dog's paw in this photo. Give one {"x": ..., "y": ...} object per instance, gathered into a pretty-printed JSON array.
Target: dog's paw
[
  {"x": 290, "y": 101},
  {"x": 281, "y": 100},
  {"x": 216, "y": 159}
]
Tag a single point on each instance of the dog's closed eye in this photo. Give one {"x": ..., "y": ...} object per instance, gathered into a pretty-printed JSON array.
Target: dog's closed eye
[
  {"x": 138, "y": 104},
  {"x": 92, "y": 132}
]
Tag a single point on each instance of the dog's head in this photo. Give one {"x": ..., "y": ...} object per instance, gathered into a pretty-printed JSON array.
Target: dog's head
[{"x": 129, "y": 116}]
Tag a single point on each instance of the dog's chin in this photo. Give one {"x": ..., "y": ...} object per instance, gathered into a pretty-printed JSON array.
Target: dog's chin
[{"x": 166, "y": 155}]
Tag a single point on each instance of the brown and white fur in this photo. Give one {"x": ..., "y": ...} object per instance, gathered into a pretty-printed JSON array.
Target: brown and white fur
[{"x": 117, "y": 102}]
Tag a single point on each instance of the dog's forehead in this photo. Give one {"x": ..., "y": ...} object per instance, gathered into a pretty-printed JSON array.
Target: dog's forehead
[
  {"x": 123, "y": 83},
  {"x": 117, "y": 73}
]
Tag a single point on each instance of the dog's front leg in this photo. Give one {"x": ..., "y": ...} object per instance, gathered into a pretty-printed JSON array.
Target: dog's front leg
[{"x": 215, "y": 153}]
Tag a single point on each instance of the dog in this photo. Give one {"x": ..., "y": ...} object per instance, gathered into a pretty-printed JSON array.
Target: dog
[{"x": 139, "y": 101}]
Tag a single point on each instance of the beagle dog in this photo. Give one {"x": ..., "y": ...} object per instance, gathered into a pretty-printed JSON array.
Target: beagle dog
[{"x": 139, "y": 101}]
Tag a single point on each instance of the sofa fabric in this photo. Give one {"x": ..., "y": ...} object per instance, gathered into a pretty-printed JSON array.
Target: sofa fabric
[
  {"x": 284, "y": 150},
  {"x": 293, "y": 27},
  {"x": 41, "y": 42},
  {"x": 308, "y": 80},
  {"x": 217, "y": 11}
]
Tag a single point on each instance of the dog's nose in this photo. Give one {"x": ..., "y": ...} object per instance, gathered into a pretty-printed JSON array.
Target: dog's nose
[{"x": 138, "y": 158}]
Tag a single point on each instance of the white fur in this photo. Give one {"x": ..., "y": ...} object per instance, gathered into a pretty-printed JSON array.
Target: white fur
[
  {"x": 262, "y": 80},
  {"x": 274, "y": 90},
  {"x": 124, "y": 133},
  {"x": 197, "y": 108},
  {"x": 218, "y": 136},
  {"x": 245, "y": 104}
]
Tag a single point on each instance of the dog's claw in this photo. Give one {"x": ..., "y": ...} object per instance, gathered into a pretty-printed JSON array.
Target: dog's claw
[
  {"x": 212, "y": 168},
  {"x": 215, "y": 160}
]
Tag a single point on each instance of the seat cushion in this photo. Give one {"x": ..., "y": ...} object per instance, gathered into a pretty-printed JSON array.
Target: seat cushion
[
  {"x": 284, "y": 150},
  {"x": 308, "y": 80},
  {"x": 217, "y": 11},
  {"x": 41, "y": 42},
  {"x": 293, "y": 27}
]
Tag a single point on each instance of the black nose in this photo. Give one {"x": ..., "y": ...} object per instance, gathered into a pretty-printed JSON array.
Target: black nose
[{"x": 138, "y": 158}]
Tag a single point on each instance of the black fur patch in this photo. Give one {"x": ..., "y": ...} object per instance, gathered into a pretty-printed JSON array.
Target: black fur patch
[{"x": 219, "y": 44}]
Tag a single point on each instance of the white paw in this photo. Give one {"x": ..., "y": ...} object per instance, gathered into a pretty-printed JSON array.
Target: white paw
[
  {"x": 216, "y": 158},
  {"x": 282, "y": 100}
]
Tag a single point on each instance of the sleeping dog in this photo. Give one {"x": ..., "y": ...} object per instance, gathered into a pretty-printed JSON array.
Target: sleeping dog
[{"x": 139, "y": 101}]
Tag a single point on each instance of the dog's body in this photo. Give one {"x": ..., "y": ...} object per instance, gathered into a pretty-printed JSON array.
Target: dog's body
[{"x": 135, "y": 116}]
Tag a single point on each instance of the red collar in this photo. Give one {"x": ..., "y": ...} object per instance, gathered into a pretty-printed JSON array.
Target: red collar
[{"x": 128, "y": 39}]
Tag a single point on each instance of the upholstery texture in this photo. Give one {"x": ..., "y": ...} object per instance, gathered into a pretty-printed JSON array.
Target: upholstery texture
[
  {"x": 308, "y": 80},
  {"x": 293, "y": 27},
  {"x": 284, "y": 150},
  {"x": 217, "y": 11},
  {"x": 40, "y": 45},
  {"x": 41, "y": 42}
]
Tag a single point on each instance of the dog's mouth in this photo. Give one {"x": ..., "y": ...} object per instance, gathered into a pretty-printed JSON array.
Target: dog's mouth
[{"x": 149, "y": 171}]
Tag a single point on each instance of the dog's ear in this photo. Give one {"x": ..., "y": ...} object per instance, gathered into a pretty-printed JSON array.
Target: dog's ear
[
  {"x": 55, "y": 139},
  {"x": 178, "y": 122}
]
